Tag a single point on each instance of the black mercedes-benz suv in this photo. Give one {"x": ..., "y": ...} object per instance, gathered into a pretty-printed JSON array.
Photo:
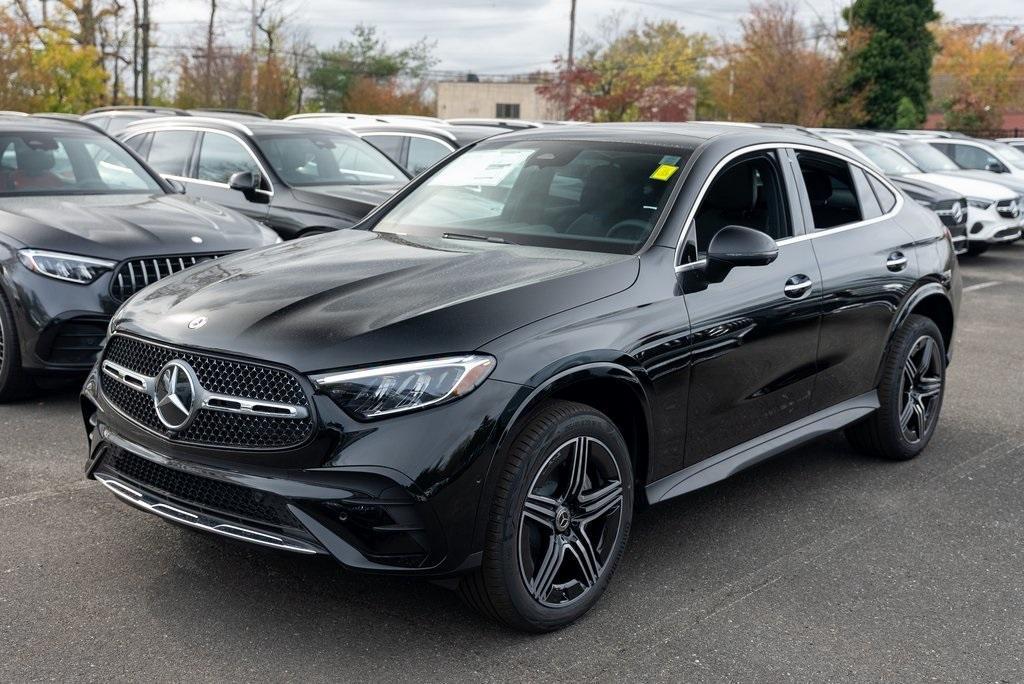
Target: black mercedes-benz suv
[
  {"x": 300, "y": 179},
  {"x": 83, "y": 226},
  {"x": 545, "y": 333}
]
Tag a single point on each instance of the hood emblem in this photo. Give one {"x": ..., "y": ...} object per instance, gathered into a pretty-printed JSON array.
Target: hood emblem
[
  {"x": 196, "y": 239},
  {"x": 174, "y": 395},
  {"x": 197, "y": 323}
]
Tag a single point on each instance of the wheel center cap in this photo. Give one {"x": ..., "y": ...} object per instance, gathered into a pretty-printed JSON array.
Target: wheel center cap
[{"x": 562, "y": 519}]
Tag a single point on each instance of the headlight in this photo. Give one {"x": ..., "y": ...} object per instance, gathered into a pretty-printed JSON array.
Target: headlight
[
  {"x": 980, "y": 203},
  {"x": 74, "y": 269},
  {"x": 402, "y": 387}
]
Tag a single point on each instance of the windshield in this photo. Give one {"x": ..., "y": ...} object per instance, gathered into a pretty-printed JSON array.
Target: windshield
[
  {"x": 928, "y": 158},
  {"x": 889, "y": 161},
  {"x": 314, "y": 158},
  {"x": 1009, "y": 153},
  {"x": 601, "y": 197},
  {"x": 69, "y": 164}
]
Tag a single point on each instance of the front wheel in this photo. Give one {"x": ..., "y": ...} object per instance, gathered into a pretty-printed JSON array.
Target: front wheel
[
  {"x": 910, "y": 394},
  {"x": 14, "y": 382},
  {"x": 559, "y": 521}
]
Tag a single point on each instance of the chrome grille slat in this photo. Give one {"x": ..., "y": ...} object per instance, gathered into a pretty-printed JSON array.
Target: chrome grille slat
[{"x": 136, "y": 274}]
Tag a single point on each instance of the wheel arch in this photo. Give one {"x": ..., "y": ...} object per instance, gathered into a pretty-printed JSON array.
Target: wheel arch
[{"x": 931, "y": 300}]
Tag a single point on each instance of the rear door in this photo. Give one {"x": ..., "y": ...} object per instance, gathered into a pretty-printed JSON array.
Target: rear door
[{"x": 867, "y": 267}]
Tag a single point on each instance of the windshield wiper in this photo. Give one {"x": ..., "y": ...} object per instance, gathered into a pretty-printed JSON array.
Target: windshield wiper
[{"x": 478, "y": 238}]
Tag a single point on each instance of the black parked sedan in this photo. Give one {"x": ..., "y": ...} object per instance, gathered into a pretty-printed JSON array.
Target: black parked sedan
[
  {"x": 553, "y": 328},
  {"x": 299, "y": 179},
  {"x": 83, "y": 226}
]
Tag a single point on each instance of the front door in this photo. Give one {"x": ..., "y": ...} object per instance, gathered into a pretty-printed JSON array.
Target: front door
[
  {"x": 218, "y": 157},
  {"x": 754, "y": 336}
]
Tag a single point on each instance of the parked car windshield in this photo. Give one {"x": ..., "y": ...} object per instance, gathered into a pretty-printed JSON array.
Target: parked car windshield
[
  {"x": 889, "y": 161},
  {"x": 928, "y": 158},
  {"x": 594, "y": 196},
  {"x": 315, "y": 158},
  {"x": 68, "y": 164}
]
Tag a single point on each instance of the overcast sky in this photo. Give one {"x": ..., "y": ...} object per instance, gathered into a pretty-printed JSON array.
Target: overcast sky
[{"x": 509, "y": 36}]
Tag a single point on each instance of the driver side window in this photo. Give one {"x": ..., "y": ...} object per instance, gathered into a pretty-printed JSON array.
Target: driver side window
[{"x": 747, "y": 193}]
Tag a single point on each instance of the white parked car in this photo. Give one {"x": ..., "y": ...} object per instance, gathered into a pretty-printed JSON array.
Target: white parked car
[
  {"x": 993, "y": 210},
  {"x": 982, "y": 155},
  {"x": 1016, "y": 143}
]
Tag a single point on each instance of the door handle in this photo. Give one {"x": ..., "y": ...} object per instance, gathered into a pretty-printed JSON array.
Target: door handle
[
  {"x": 797, "y": 286},
  {"x": 897, "y": 261}
]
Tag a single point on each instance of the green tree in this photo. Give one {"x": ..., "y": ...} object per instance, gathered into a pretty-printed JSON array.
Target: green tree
[
  {"x": 887, "y": 73},
  {"x": 336, "y": 74}
]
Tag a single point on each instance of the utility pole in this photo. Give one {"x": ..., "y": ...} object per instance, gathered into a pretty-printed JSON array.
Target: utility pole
[
  {"x": 253, "y": 26},
  {"x": 135, "y": 52},
  {"x": 45, "y": 18},
  {"x": 572, "y": 31},
  {"x": 145, "y": 52}
]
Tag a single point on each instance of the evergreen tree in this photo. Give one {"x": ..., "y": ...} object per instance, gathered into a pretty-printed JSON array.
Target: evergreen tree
[{"x": 887, "y": 62}]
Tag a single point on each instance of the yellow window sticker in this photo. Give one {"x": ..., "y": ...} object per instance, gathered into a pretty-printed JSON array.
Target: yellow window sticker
[{"x": 664, "y": 172}]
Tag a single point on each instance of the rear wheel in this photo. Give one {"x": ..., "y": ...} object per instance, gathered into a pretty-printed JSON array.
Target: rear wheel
[
  {"x": 14, "y": 382},
  {"x": 559, "y": 522},
  {"x": 910, "y": 394}
]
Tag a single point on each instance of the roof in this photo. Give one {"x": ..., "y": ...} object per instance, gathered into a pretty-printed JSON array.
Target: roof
[
  {"x": 45, "y": 124},
  {"x": 254, "y": 127},
  {"x": 459, "y": 135}
]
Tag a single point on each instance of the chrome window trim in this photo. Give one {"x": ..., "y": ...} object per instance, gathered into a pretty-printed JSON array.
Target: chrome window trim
[
  {"x": 200, "y": 129},
  {"x": 691, "y": 214},
  {"x": 399, "y": 134}
]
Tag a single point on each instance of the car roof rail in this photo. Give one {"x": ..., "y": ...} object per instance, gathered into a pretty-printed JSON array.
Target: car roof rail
[
  {"x": 66, "y": 120},
  {"x": 230, "y": 110},
  {"x": 136, "y": 108},
  {"x": 189, "y": 121}
]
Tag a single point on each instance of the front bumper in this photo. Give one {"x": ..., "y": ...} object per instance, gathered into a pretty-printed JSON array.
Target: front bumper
[
  {"x": 401, "y": 497},
  {"x": 989, "y": 227}
]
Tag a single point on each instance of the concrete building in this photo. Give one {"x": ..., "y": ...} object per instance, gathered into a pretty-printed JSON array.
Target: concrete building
[{"x": 483, "y": 99}]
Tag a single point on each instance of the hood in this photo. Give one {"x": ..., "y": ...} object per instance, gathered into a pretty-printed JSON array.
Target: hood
[
  {"x": 355, "y": 200},
  {"x": 123, "y": 226},
  {"x": 968, "y": 187},
  {"x": 355, "y": 297},
  {"x": 922, "y": 191},
  {"x": 1014, "y": 183}
]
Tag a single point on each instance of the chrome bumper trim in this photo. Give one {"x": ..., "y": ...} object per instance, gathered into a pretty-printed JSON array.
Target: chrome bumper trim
[{"x": 199, "y": 520}]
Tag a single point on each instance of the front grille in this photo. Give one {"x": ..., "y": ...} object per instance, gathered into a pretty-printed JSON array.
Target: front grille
[
  {"x": 221, "y": 376},
  {"x": 132, "y": 276},
  {"x": 1009, "y": 208},
  {"x": 200, "y": 492},
  {"x": 945, "y": 211}
]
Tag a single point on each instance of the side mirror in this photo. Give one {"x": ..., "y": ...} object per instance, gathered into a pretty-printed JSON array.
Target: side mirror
[
  {"x": 736, "y": 246},
  {"x": 244, "y": 181},
  {"x": 176, "y": 185},
  {"x": 995, "y": 167}
]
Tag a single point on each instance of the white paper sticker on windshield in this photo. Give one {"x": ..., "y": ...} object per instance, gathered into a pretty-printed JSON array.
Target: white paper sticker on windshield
[{"x": 484, "y": 167}]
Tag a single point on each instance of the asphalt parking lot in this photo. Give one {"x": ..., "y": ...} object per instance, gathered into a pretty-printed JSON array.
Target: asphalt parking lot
[{"x": 820, "y": 564}]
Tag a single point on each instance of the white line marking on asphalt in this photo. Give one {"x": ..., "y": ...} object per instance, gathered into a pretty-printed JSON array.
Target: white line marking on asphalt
[{"x": 982, "y": 286}]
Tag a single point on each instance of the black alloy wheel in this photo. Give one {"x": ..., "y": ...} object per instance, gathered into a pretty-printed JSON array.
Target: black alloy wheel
[
  {"x": 910, "y": 394},
  {"x": 14, "y": 382},
  {"x": 559, "y": 521}
]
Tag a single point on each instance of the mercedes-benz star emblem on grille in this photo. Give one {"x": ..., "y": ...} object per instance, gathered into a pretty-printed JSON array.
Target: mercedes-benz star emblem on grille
[
  {"x": 1014, "y": 209},
  {"x": 958, "y": 213},
  {"x": 174, "y": 395},
  {"x": 198, "y": 322}
]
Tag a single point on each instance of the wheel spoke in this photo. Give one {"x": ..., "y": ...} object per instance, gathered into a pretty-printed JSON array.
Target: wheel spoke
[
  {"x": 929, "y": 387},
  {"x": 540, "y": 509},
  {"x": 927, "y": 356},
  {"x": 578, "y": 467},
  {"x": 548, "y": 569},
  {"x": 907, "y": 414},
  {"x": 580, "y": 547},
  {"x": 920, "y": 412},
  {"x": 600, "y": 502},
  {"x": 911, "y": 368}
]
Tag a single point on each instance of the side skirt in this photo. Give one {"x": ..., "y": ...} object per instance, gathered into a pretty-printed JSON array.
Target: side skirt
[{"x": 730, "y": 462}]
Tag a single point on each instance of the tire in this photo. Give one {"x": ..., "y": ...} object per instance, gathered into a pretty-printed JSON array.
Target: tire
[
  {"x": 14, "y": 382},
  {"x": 582, "y": 523},
  {"x": 911, "y": 392},
  {"x": 975, "y": 248}
]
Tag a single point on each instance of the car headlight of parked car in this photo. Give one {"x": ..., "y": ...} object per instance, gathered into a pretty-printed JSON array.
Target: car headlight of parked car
[
  {"x": 69, "y": 267},
  {"x": 398, "y": 388},
  {"x": 980, "y": 203}
]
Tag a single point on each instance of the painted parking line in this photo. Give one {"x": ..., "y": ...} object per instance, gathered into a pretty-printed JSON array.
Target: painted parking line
[{"x": 982, "y": 286}]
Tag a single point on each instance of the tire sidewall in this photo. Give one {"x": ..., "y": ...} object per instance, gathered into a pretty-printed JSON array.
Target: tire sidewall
[
  {"x": 916, "y": 327},
  {"x": 583, "y": 423}
]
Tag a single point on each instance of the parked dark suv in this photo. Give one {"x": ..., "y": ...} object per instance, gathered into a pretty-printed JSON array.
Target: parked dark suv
[
  {"x": 83, "y": 226},
  {"x": 299, "y": 179},
  {"x": 548, "y": 331}
]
